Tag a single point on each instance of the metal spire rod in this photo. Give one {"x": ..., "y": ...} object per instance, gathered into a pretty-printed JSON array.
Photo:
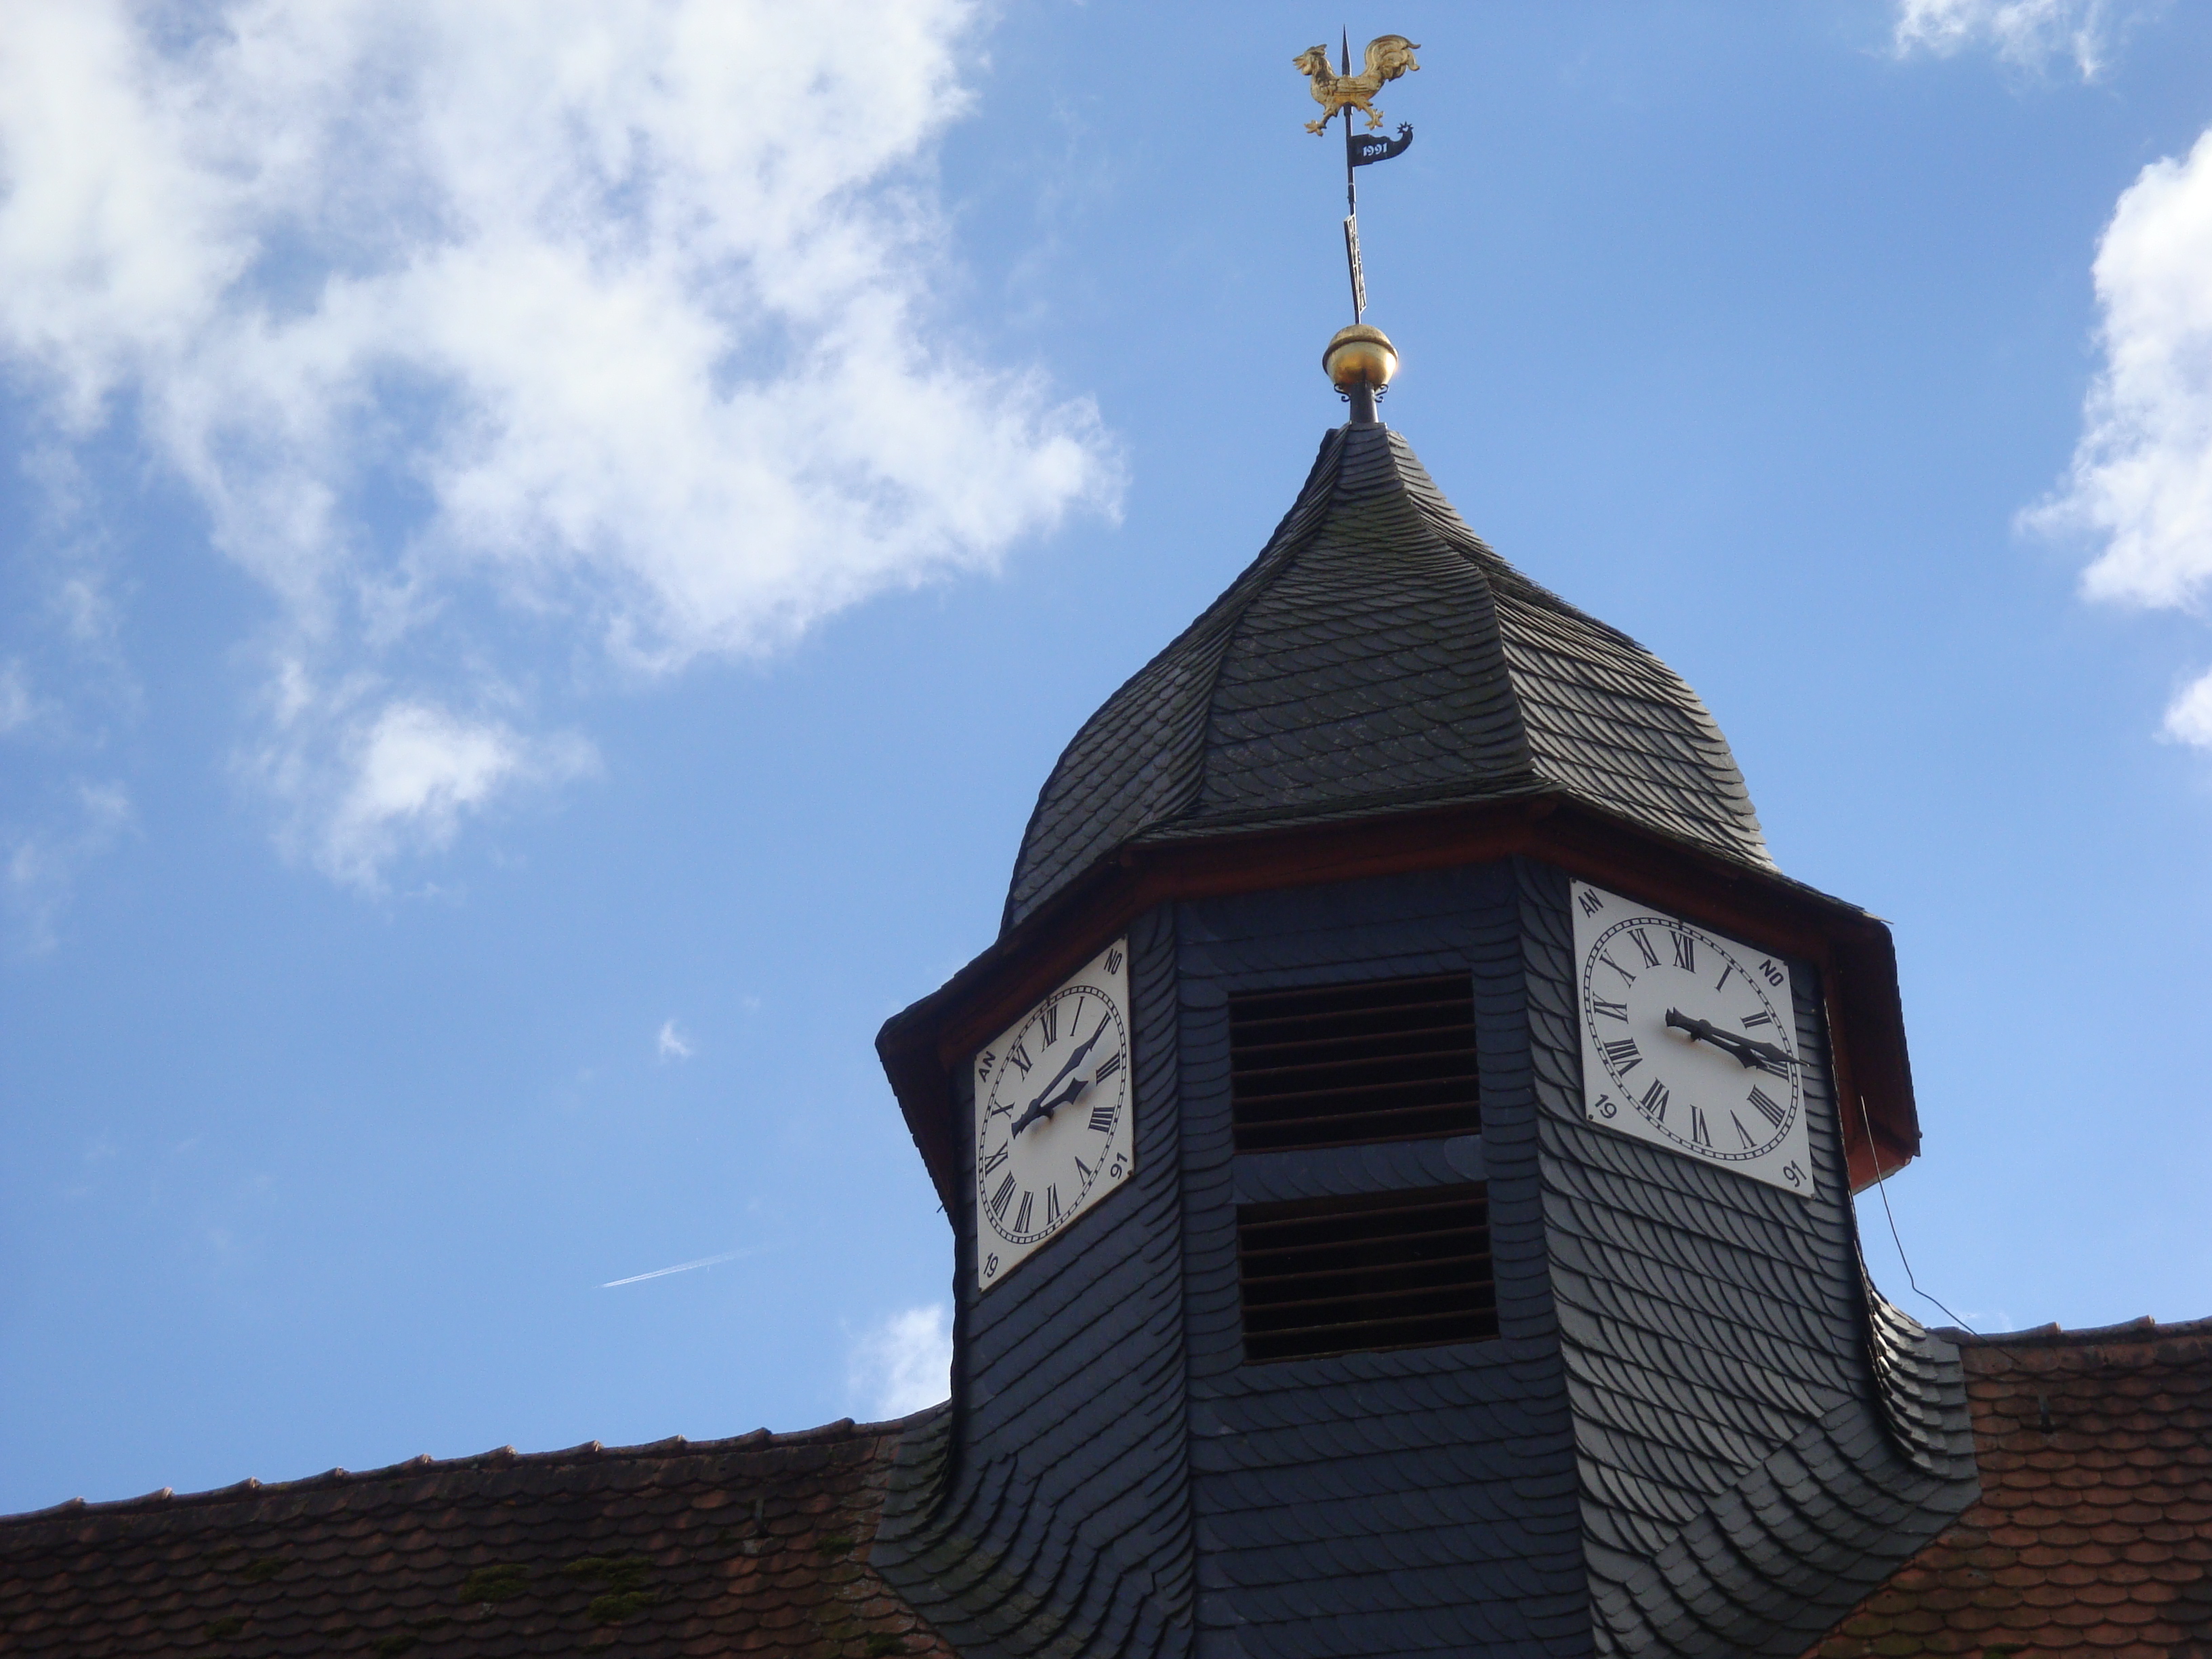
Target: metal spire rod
[
  {"x": 1352, "y": 194},
  {"x": 1350, "y": 187}
]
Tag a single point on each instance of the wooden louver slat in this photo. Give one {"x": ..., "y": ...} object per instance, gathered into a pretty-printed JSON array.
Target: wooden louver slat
[
  {"x": 1336, "y": 1065},
  {"x": 1378, "y": 1270}
]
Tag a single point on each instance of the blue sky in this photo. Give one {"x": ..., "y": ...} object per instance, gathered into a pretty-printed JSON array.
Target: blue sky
[{"x": 546, "y": 556}]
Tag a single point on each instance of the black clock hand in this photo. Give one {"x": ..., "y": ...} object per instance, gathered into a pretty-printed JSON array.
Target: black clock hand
[
  {"x": 1047, "y": 1103},
  {"x": 1747, "y": 1050},
  {"x": 1042, "y": 1107},
  {"x": 1073, "y": 1060}
]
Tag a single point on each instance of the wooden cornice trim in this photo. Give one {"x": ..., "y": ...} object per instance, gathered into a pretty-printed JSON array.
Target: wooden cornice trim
[{"x": 921, "y": 1047}]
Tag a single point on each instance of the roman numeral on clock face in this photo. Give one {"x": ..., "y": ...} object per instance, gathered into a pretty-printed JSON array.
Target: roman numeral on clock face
[
  {"x": 1742, "y": 1134},
  {"x": 1759, "y": 1018},
  {"x": 1698, "y": 1127},
  {"x": 1686, "y": 952},
  {"x": 1643, "y": 947},
  {"x": 1610, "y": 1010},
  {"x": 1064, "y": 1083},
  {"x": 1622, "y": 1055},
  {"x": 1655, "y": 1100},
  {"x": 1768, "y": 1109}
]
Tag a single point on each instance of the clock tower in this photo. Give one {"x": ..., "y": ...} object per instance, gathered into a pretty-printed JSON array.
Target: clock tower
[{"x": 1400, "y": 1149}]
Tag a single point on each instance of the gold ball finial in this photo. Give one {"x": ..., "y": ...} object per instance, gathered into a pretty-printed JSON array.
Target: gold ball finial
[{"x": 1361, "y": 354}]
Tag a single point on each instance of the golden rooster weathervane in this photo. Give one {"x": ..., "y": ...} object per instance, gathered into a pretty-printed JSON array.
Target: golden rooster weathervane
[{"x": 1388, "y": 57}]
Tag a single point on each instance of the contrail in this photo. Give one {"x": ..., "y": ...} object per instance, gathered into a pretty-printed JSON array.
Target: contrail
[{"x": 680, "y": 1267}]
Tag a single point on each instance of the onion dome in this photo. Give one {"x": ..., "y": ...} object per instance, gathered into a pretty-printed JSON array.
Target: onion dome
[{"x": 1377, "y": 658}]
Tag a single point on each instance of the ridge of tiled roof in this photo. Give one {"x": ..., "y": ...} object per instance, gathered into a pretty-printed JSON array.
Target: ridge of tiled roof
[
  {"x": 1378, "y": 657},
  {"x": 2146, "y": 1329},
  {"x": 2093, "y": 1531},
  {"x": 760, "y": 1543},
  {"x": 423, "y": 1463}
]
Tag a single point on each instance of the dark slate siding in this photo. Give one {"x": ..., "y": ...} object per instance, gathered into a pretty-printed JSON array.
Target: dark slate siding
[
  {"x": 1422, "y": 1501},
  {"x": 1616, "y": 726},
  {"x": 1744, "y": 1480},
  {"x": 1139, "y": 760},
  {"x": 1048, "y": 1513},
  {"x": 1370, "y": 666},
  {"x": 1377, "y": 657}
]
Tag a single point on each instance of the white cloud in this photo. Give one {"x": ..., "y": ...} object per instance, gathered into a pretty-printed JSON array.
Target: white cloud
[
  {"x": 17, "y": 707},
  {"x": 2189, "y": 718},
  {"x": 619, "y": 316},
  {"x": 40, "y": 865},
  {"x": 2141, "y": 482},
  {"x": 411, "y": 770},
  {"x": 905, "y": 1363},
  {"x": 2025, "y": 34},
  {"x": 2142, "y": 475},
  {"x": 672, "y": 1043}
]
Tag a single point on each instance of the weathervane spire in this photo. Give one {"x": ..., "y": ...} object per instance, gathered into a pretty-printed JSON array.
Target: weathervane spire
[{"x": 1360, "y": 359}]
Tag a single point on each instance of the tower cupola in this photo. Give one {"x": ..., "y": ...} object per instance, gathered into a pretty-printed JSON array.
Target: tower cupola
[{"x": 1399, "y": 1151}]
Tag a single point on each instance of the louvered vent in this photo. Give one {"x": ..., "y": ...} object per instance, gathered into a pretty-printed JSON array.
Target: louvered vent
[
  {"x": 1332, "y": 1065},
  {"x": 1389, "y": 1270}
]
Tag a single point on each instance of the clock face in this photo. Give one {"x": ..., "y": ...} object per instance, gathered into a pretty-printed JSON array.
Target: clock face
[
  {"x": 1053, "y": 1129},
  {"x": 1689, "y": 1039}
]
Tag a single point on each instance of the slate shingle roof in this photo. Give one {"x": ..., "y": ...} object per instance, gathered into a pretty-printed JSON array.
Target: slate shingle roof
[
  {"x": 1378, "y": 656},
  {"x": 2094, "y": 1532},
  {"x": 757, "y": 1545}
]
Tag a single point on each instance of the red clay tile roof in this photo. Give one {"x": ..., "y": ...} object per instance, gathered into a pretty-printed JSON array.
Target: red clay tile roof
[
  {"x": 757, "y": 1545},
  {"x": 2094, "y": 1533}
]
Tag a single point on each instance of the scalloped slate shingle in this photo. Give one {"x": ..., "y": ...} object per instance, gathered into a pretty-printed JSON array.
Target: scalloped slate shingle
[
  {"x": 757, "y": 1545},
  {"x": 1377, "y": 657},
  {"x": 1761, "y": 1438}
]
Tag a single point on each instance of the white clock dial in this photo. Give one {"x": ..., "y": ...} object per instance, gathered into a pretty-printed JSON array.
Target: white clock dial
[
  {"x": 1689, "y": 1039},
  {"x": 1053, "y": 1111}
]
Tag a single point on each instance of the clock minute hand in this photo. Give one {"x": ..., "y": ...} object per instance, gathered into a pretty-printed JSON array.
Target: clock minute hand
[{"x": 1747, "y": 1050}]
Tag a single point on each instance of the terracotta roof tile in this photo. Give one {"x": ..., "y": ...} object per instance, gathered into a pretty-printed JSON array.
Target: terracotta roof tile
[
  {"x": 756, "y": 1544},
  {"x": 2094, "y": 1532}
]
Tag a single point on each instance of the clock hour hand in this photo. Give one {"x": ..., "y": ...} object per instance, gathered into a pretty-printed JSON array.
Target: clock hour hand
[
  {"x": 1042, "y": 1107},
  {"x": 1748, "y": 1050}
]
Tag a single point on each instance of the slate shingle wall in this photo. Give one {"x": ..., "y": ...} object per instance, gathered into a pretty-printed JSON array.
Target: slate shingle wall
[
  {"x": 1049, "y": 1513},
  {"x": 1697, "y": 1432},
  {"x": 1377, "y": 657},
  {"x": 1139, "y": 760},
  {"x": 1421, "y": 1501},
  {"x": 1370, "y": 665},
  {"x": 1743, "y": 1478}
]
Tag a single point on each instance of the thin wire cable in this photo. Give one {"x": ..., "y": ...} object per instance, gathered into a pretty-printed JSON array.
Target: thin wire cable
[{"x": 1882, "y": 1185}]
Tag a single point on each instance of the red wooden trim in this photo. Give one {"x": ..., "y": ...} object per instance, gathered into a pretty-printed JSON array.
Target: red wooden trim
[{"x": 922, "y": 1048}]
